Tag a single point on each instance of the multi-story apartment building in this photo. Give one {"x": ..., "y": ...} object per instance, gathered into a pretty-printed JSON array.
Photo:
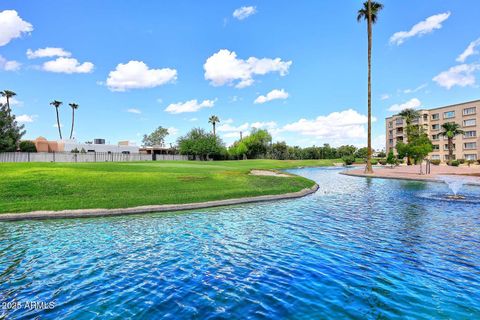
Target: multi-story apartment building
[{"x": 466, "y": 146}]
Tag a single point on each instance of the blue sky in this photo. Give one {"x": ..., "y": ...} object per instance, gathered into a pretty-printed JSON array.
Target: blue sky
[{"x": 295, "y": 68}]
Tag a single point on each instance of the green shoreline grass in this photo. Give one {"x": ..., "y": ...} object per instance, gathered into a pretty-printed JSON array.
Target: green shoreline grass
[{"x": 28, "y": 187}]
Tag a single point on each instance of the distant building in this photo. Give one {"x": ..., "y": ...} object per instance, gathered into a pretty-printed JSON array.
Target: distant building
[
  {"x": 43, "y": 145},
  {"x": 465, "y": 114}
]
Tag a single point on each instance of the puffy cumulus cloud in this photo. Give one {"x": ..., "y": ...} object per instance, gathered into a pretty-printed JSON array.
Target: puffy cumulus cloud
[
  {"x": 469, "y": 51},
  {"x": 13, "y": 101},
  {"x": 47, "y": 52},
  {"x": 137, "y": 75},
  {"x": 224, "y": 68},
  {"x": 410, "y": 104},
  {"x": 189, "y": 106},
  {"x": 67, "y": 65},
  {"x": 269, "y": 125},
  {"x": 423, "y": 27},
  {"x": 134, "y": 110},
  {"x": 244, "y": 12},
  {"x": 461, "y": 75},
  {"x": 25, "y": 118},
  {"x": 9, "y": 65},
  {"x": 337, "y": 128},
  {"x": 172, "y": 131},
  {"x": 275, "y": 94},
  {"x": 230, "y": 128},
  {"x": 12, "y": 26}
]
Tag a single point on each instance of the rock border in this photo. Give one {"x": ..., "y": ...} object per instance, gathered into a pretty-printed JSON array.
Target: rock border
[{"x": 89, "y": 213}]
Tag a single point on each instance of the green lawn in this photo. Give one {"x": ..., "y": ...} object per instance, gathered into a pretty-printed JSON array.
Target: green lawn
[{"x": 57, "y": 186}]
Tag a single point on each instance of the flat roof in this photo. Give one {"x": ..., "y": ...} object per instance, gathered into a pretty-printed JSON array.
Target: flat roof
[{"x": 447, "y": 106}]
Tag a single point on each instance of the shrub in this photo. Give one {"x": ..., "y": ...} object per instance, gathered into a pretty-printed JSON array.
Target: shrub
[
  {"x": 27, "y": 146},
  {"x": 461, "y": 161},
  {"x": 470, "y": 162},
  {"x": 455, "y": 163},
  {"x": 374, "y": 162},
  {"x": 400, "y": 161},
  {"x": 435, "y": 162},
  {"x": 382, "y": 162},
  {"x": 348, "y": 160}
]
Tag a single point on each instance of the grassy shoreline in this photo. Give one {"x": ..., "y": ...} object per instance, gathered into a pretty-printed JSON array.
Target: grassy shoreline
[{"x": 28, "y": 187}]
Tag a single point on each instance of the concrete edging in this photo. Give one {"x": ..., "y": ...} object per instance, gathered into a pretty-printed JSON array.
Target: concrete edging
[
  {"x": 366, "y": 175},
  {"x": 88, "y": 213}
]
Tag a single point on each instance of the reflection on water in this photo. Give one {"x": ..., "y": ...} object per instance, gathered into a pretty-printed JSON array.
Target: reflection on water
[{"x": 358, "y": 248}]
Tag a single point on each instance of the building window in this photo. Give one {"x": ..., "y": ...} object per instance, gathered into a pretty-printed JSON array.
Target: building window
[
  {"x": 390, "y": 124},
  {"x": 469, "y": 122},
  {"x": 436, "y": 147},
  {"x": 435, "y": 126},
  {"x": 470, "y": 145},
  {"x": 435, "y": 157},
  {"x": 445, "y": 147},
  {"x": 435, "y": 116},
  {"x": 425, "y": 117},
  {"x": 399, "y": 122},
  {"x": 435, "y": 136},
  {"x": 468, "y": 111},
  {"x": 390, "y": 142},
  {"x": 470, "y": 157},
  {"x": 470, "y": 134},
  {"x": 449, "y": 114}
]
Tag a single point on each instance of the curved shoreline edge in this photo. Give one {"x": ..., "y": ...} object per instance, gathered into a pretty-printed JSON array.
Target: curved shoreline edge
[{"x": 89, "y": 213}]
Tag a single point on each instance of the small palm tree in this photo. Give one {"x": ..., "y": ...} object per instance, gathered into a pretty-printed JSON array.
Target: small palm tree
[
  {"x": 213, "y": 120},
  {"x": 74, "y": 107},
  {"x": 8, "y": 94},
  {"x": 450, "y": 130},
  {"x": 57, "y": 105},
  {"x": 409, "y": 115},
  {"x": 369, "y": 12}
]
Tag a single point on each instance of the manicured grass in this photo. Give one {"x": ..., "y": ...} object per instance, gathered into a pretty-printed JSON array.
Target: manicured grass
[{"x": 57, "y": 186}]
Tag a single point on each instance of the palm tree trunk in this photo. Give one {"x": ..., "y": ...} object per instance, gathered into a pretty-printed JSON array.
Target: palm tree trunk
[
  {"x": 73, "y": 123},
  {"x": 58, "y": 124},
  {"x": 8, "y": 105},
  {"x": 450, "y": 151},
  {"x": 214, "y": 129},
  {"x": 368, "y": 168}
]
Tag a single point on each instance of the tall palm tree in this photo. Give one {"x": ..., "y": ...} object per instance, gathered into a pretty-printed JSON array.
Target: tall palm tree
[
  {"x": 409, "y": 115},
  {"x": 74, "y": 107},
  {"x": 8, "y": 94},
  {"x": 213, "y": 120},
  {"x": 57, "y": 105},
  {"x": 369, "y": 13},
  {"x": 450, "y": 130}
]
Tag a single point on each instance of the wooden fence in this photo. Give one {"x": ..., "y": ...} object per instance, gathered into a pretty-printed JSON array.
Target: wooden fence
[{"x": 83, "y": 157}]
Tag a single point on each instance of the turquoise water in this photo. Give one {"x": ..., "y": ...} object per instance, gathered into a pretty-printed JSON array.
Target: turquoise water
[{"x": 358, "y": 248}]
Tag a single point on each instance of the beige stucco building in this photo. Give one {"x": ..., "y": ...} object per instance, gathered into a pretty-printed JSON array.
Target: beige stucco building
[{"x": 465, "y": 114}]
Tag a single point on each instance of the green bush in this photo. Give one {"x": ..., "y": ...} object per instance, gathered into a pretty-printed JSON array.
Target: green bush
[
  {"x": 455, "y": 163},
  {"x": 435, "y": 162},
  {"x": 27, "y": 146},
  {"x": 382, "y": 162},
  {"x": 470, "y": 162},
  {"x": 400, "y": 161},
  {"x": 461, "y": 161},
  {"x": 348, "y": 160},
  {"x": 374, "y": 162}
]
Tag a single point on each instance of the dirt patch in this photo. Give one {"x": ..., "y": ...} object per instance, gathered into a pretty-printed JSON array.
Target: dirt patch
[{"x": 269, "y": 173}]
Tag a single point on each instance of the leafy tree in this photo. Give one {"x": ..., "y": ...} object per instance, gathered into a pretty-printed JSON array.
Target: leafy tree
[
  {"x": 348, "y": 160},
  {"x": 10, "y": 131},
  {"x": 237, "y": 150},
  {"x": 201, "y": 144},
  {"x": 257, "y": 143},
  {"x": 391, "y": 160},
  {"x": 346, "y": 151},
  {"x": 382, "y": 154},
  {"x": 362, "y": 153},
  {"x": 450, "y": 130},
  {"x": 27, "y": 146},
  {"x": 213, "y": 120},
  {"x": 74, "y": 107},
  {"x": 57, "y": 105},
  {"x": 279, "y": 151},
  {"x": 419, "y": 147},
  {"x": 409, "y": 115},
  {"x": 156, "y": 138},
  {"x": 369, "y": 12}
]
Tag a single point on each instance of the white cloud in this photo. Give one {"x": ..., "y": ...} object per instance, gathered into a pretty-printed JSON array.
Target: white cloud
[
  {"x": 229, "y": 120},
  {"x": 13, "y": 101},
  {"x": 461, "y": 75},
  {"x": 270, "y": 125},
  {"x": 337, "y": 128},
  {"x": 134, "y": 110},
  {"x": 25, "y": 118},
  {"x": 469, "y": 51},
  {"x": 410, "y": 104},
  {"x": 223, "y": 68},
  {"x": 189, "y": 106},
  {"x": 67, "y": 65},
  {"x": 227, "y": 127},
  {"x": 423, "y": 27},
  {"x": 244, "y": 12},
  {"x": 172, "y": 131},
  {"x": 193, "y": 119},
  {"x": 379, "y": 142},
  {"x": 47, "y": 52},
  {"x": 420, "y": 87},
  {"x": 9, "y": 65},
  {"x": 137, "y": 75},
  {"x": 385, "y": 96},
  {"x": 272, "y": 95},
  {"x": 12, "y": 26}
]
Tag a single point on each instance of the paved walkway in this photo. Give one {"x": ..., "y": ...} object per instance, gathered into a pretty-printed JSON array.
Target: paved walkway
[{"x": 412, "y": 172}]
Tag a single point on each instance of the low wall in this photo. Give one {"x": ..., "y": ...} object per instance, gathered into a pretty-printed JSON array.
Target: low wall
[{"x": 82, "y": 157}]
